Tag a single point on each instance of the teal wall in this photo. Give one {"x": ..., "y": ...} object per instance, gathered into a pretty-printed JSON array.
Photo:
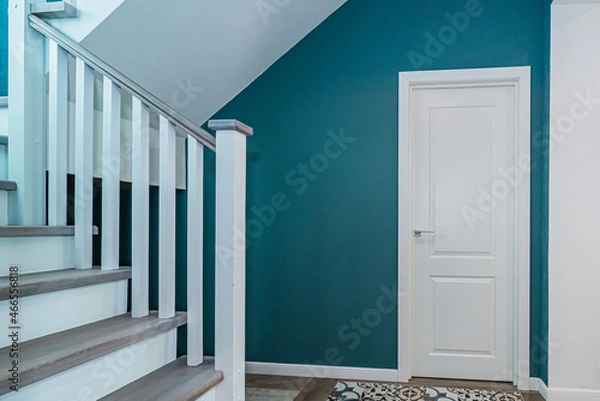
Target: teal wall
[
  {"x": 321, "y": 261},
  {"x": 3, "y": 47}
]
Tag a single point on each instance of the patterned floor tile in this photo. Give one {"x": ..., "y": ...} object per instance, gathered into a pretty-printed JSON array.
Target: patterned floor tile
[{"x": 361, "y": 391}]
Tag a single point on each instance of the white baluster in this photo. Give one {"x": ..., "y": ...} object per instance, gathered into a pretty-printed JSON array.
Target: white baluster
[
  {"x": 140, "y": 199},
  {"x": 166, "y": 237},
  {"x": 195, "y": 253},
  {"x": 57, "y": 135},
  {"x": 84, "y": 188},
  {"x": 230, "y": 276},
  {"x": 111, "y": 174}
]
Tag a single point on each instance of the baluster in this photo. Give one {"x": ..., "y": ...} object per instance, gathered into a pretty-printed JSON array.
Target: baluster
[
  {"x": 230, "y": 276},
  {"x": 84, "y": 146},
  {"x": 140, "y": 199},
  {"x": 195, "y": 238},
  {"x": 166, "y": 237},
  {"x": 57, "y": 135},
  {"x": 111, "y": 174}
]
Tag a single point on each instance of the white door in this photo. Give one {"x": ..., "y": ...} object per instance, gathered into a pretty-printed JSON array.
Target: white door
[{"x": 462, "y": 294}]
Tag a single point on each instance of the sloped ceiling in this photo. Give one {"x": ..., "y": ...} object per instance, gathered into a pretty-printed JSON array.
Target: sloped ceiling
[
  {"x": 90, "y": 14},
  {"x": 197, "y": 55}
]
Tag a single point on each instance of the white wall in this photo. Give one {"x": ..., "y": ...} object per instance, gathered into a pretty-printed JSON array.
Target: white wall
[{"x": 574, "y": 264}]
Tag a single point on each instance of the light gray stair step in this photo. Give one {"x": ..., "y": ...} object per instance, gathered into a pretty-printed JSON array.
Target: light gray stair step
[
  {"x": 59, "y": 280},
  {"x": 47, "y": 356},
  {"x": 39, "y": 231},
  {"x": 175, "y": 381},
  {"x": 9, "y": 186}
]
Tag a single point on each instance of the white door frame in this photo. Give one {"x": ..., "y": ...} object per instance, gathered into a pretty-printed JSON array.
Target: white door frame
[{"x": 519, "y": 78}]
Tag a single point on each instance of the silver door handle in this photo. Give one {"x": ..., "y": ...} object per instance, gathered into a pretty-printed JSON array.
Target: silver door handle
[{"x": 419, "y": 231}]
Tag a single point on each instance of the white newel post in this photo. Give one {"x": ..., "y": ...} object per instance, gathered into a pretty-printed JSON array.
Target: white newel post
[
  {"x": 27, "y": 155},
  {"x": 195, "y": 252},
  {"x": 230, "y": 275}
]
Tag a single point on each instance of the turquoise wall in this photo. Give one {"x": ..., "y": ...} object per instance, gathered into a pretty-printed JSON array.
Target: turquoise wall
[
  {"x": 3, "y": 47},
  {"x": 317, "y": 263}
]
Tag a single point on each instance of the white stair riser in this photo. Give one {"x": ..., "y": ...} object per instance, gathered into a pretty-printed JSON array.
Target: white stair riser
[
  {"x": 45, "y": 314},
  {"x": 210, "y": 396},
  {"x": 36, "y": 254},
  {"x": 3, "y": 205},
  {"x": 102, "y": 376}
]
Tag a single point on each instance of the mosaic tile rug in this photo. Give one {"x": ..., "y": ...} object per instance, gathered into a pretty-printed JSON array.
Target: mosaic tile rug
[{"x": 351, "y": 391}]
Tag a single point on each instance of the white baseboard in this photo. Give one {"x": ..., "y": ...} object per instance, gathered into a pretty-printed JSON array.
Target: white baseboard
[
  {"x": 341, "y": 372},
  {"x": 536, "y": 384},
  {"x": 572, "y": 394}
]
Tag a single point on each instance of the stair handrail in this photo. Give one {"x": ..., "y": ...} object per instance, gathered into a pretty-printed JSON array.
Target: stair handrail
[{"x": 123, "y": 81}]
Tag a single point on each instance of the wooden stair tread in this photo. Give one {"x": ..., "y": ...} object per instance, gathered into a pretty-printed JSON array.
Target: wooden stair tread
[
  {"x": 9, "y": 186},
  {"x": 50, "y": 355},
  {"x": 39, "y": 231},
  {"x": 58, "y": 280},
  {"x": 175, "y": 381}
]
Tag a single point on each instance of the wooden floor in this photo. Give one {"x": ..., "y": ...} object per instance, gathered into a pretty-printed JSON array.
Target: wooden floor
[{"x": 313, "y": 389}]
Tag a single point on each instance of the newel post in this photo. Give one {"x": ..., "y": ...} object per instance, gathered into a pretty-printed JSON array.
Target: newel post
[
  {"x": 230, "y": 275},
  {"x": 26, "y": 116}
]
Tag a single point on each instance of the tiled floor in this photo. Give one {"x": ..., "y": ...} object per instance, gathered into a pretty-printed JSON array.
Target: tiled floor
[{"x": 313, "y": 389}]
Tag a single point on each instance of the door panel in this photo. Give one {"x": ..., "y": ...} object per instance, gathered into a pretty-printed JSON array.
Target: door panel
[{"x": 461, "y": 273}]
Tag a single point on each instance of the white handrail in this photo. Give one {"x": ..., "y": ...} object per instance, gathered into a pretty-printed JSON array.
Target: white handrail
[{"x": 124, "y": 82}]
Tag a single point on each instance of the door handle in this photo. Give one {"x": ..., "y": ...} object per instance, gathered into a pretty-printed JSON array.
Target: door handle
[{"x": 419, "y": 231}]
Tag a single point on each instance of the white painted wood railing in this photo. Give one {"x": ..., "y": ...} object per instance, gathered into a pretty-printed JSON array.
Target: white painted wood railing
[{"x": 230, "y": 148}]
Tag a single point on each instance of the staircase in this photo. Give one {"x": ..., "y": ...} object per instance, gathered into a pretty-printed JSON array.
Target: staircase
[{"x": 80, "y": 331}]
